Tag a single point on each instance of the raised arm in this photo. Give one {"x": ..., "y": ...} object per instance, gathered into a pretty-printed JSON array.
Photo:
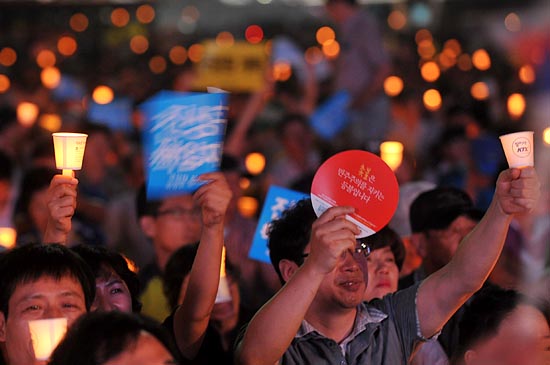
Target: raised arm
[
  {"x": 191, "y": 318},
  {"x": 274, "y": 326},
  {"x": 61, "y": 208},
  {"x": 443, "y": 292}
]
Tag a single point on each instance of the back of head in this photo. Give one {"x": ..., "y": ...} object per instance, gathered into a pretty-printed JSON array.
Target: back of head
[
  {"x": 97, "y": 337},
  {"x": 439, "y": 207},
  {"x": 100, "y": 259},
  {"x": 29, "y": 263},
  {"x": 177, "y": 268},
  {"x": 289, "y": 235}
]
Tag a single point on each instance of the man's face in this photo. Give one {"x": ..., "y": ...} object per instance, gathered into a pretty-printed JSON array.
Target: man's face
[
  {"x": 522, "y": 338},
  {"x": 383, "y": 273},
  {"x": 443, "y": 243},
  {"x": 111, "y": 293},
  {"x": 344, "y": 287},
  {"x": 178, "y": 222},
  {"x": 43, "y": 298}
]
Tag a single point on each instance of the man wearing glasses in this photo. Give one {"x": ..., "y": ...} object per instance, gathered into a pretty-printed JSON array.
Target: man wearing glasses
[{"x": 319, "y": 316}]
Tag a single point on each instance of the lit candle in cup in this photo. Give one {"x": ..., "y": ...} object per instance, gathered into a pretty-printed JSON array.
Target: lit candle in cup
[
  {"x": 69, "y": 151},
  {"x": 391, "y": 152},
  {"x": 223, "y": 294},
  {"x": 7, "y": 237},
  {"x": 46, "y": 335},
  {"x": 518, "y": 148}
]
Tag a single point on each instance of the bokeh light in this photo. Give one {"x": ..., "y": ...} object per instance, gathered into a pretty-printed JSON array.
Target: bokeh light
[
  {"x": 325, "y": 35},
  {"x": 120, "y": 17},
  {"x": 8, "y": 56},
  {"x": 254, "y": 163},
  {"x": 331, "y": 49},
  {"x": 423, "y": 35},
  {"x": 432, "y": 100},
  {"x": 546, "y": 136},
  {"x": 516, "y": 105},
  {"x": 397, "y": 20},
  {"x": 512, "y": 22},
  {"x": 157, "y": 64},
  {"x": 79, "y": 22},
  {"x": 5, "y": 83},
  {"x": 254, "y": 34},
  {"x": 139, "y": 44},
  {"x": 103, "y": 94},
  {"x": 313, "y": 55},
  {"x": 8, "y": 237},
  {"x": 50, "y": 122},
  {"x": 526, "y": 74},
  {"x": 248, "y": 206},
  {"x": 282, "y": 71},
  {"x": 393, "y": 85},
  {"x": 46, "y": 58},
  {"x": 27, "y": 113},
  {"x": 50, "y": 77},
  {"x": 225, "y": 39},
  {"x": 426, "y": 49},
  {"x": 244, "y": 183},
  {"x": 178, "y": 55},
  {"x": 67, "y": 45},
  {"x": 481, "y": 60},
  {"x": 145, "y": 14},
  {"x": 479, "y": 91},
  {"x": 464, "y": 62},
  {"x": 430, "y": 71},
  {"x": 195, "y": 52},
  {"x": 391, "y": 152}
]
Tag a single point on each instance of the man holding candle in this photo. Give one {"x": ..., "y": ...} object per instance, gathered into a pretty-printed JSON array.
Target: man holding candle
[{"x": 319, "y": 315}]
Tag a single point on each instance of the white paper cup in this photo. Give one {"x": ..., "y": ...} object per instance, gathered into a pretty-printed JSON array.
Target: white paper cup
[
  {"x": 69, "y": 151},
  {"x": 518, "y": 148},
  {"x": 46, "y": 335}
]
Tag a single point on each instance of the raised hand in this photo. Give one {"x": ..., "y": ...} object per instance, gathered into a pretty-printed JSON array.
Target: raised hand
[
  {"x": 213, "y": 198},
  {"x": 61, "y": 208},
  {"x": 517, "y": 190}
]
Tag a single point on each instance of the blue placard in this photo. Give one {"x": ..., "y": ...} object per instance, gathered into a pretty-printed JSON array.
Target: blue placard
[
  {"x": 69, "y": 88},
  {"x": 182, "y": 139},
  {"x": 332, "y": 116},
  {"x": 277, "y": 200},
  {"x": 117, "y": 115}
]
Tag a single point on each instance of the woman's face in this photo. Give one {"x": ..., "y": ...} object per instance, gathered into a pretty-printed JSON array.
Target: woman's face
[
  {"x": 111, "y": 293},
  {"x": 383, "y": 273}
]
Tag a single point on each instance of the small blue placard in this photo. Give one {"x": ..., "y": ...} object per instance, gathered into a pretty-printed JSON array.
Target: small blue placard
[
  {"x": 277, "y": 200},
  {"x": 332, "y": 116},
  {"x": 182, "y": 139},
  {"x": 117, "y": 115}
]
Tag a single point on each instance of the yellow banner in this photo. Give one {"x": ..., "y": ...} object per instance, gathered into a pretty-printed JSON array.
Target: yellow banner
[{"x": 236, "y": 68}]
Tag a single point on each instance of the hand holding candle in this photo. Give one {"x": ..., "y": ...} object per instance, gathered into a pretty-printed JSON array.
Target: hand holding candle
[
  {"x": 69, "y": 151},
  {"x": 518, "y": 148}
]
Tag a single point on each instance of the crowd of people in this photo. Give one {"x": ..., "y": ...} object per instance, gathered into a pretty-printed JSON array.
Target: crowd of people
[{"x": 459, "y": 275}]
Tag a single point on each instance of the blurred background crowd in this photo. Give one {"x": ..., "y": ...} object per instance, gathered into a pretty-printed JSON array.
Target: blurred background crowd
[{"x": 442, "y": 78}]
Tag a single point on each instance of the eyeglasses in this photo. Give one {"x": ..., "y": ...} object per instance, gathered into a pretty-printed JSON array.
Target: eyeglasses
[
  {"x": 362, "y": 250},
  {"x": 179, "y": 212}
]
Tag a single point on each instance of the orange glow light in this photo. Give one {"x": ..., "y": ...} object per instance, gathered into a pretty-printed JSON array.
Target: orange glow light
[
  {"x": 313, "y": 55},
  {"x": 27, "y": 113},
  {"x": 145, "y": 14},
  {"x": 254, "y": 34},
  {"x": 103, "y": 94},
  {"x": 432, "y": 99},
  {"x": 426, "y": 49},
  {"x": 479, "y": 91},
  {"x": 255, "y": 163},
  {"x": 423, "y": 35},
  {"x": 50, "y": 122},
  {"x": 157, "y": 64},
  {"x": 393, "y": 85},
  {"x": 8, "y": 56},
  {"x": 5, "y": 83},
  {"x": 430, "y": 71},
  {"x": 397, "y": 20},
  {"x": 546, "y": 136},
  {"x": 282, "y": 71},
  {"x": 464, "y": 62},
  {"x": 78, "y": 22},
  {"x": 512, "y": 22},
  {"x": 325, "y": 35},
  {"x": 331, "y": 49},
  {"x": 120, "y": 17},
  {"x": 454, "y": 46},
  {"x": 8, "y": 237},
  {"x": 527, "y": 74},
  {"x": 481, "y": 60},
  {"x": 248, "y": 206},
  {"x": 139, "y": 44},
  {"x": 45, "y": 58},
  {"x": 67, "y": 45},
  {"x": 50, "y": 77},
  {"x": 225, "y": 39},
  {"x": 516, "y": 105},
  {"x": 178, "y": 55},
  {"x": 195, "y": 52}
]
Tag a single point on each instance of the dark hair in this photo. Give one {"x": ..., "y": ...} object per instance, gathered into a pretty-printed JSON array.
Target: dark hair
[
  {"x": 179, "y": 266},
  {"x": 144, "y": 206},
  {"x": 483, "y": 316},
  {"x": 350, "y": 2},
  {"x": 289, "y": 235},
  {"x": 34, "y": 180},
  {"x": 98, "y": 337},
  {"x": 387, "y": 237},
  {"x": 100, "y": 259},
  {"x": 27, "y": 264}
]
